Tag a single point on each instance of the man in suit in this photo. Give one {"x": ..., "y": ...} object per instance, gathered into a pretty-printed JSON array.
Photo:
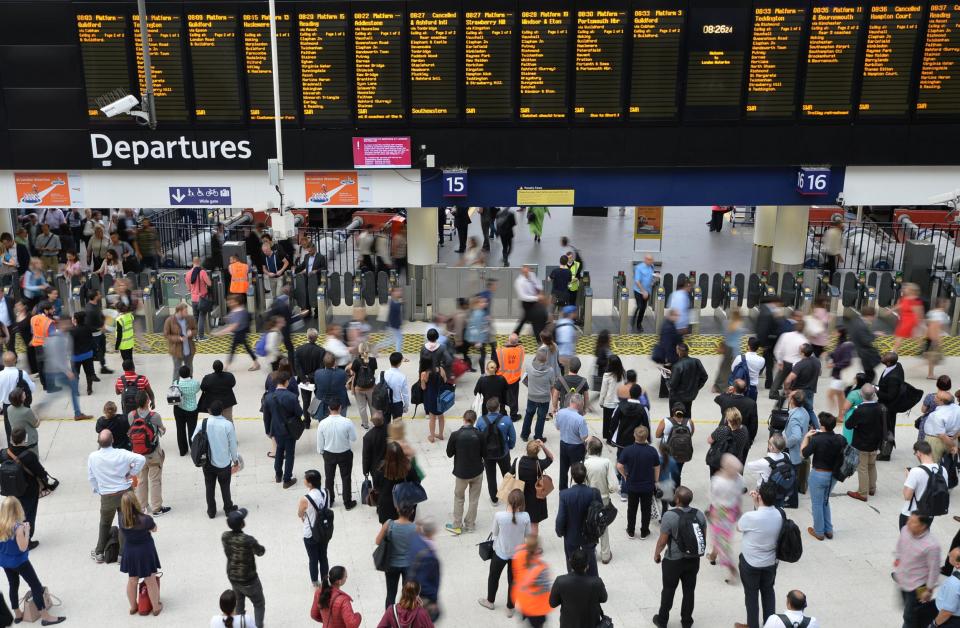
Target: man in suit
[
  {"x": 890, "y": 385},
  {"x": 312, "y": 263},
  {"x": 280, "y": 409},
  {"x": 578, "y": 593},
  {"x": 281, "y": 307},
  {"x": 574, "y": 502},
  {"x": 736, "y": 397},
  {"x": 330, "y": 383},
  {"x": 461, "y": 220},
  {"x": 768, "y": 332},
  {"x": 309, "y": 359},
  {"x": 859, "y": 333}
]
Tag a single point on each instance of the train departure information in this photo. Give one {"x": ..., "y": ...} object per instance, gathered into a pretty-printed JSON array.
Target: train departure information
[
  {"x": 891, "y": 42},
  {"x": 323, "y": 67},
  {"x": 657, "y": 34},
  {"x": 940, "y": 70},
  {"x": 715, "y": 61},
  {"x": 213, "y": 50},
  {"x": 831, "y": 59},
  {"x": 599, "y": 64},
  {"x": 259, "y": 66},
  {"x": 166, "y": 63},
  {"x": 488, "y": 36},
  {"x": 543, "y": 64},
  {"x": 433, "y": 65},
  {"x": 774, "y": 53},
  {"x": 378, "y": 50},
  {"x": 104, "y": 48}
]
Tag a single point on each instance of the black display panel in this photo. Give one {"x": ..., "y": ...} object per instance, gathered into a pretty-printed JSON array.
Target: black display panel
[
  {"x": 258, "y": 63},
  {"x": 103, "y": 46},
  {"x": 892, "y": 35},
  {"x": 216, "y": 76},
  {"x": 434, "y": 67},
  {"x": 598, "y": 64},
  {"x": 716, "y": 45},
  {"x": 543, "y": 64},
  {"x": 774, "y": 55},
  {"x": 166, "y": 65},
  {"x": 323, "y": 67},
  {"x": 378, "y": 55},
  {"x": 940, "y": 70},
  {"x": 657, "y": 31},
  {"x": 488, "y": 62},
  {"x": 831, "y": 59}
]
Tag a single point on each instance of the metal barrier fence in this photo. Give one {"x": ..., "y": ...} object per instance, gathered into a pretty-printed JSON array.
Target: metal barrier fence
[{"x": 880, "y": 246}]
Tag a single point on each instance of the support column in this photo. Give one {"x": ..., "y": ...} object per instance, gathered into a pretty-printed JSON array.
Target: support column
[
  {"x": 422, "y": 252},
  {"x": 8, "y": 221},
  {"x": 764, "y": 228},
  {"x": 791, "y": 238}
]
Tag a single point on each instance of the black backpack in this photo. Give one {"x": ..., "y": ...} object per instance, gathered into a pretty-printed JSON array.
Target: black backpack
[
  {"x": 22, "y": 385},
  {"x": 719, "y": 447},
  {"x": 680, "y": 441},
  {"x": 935, "y": 500},
  {"x": 691, "y": 537},
  {"x": 13, "y": 476},
  {"x": 789, "y": 623},
  {"x": 789, "y": 541},
  {"x": 493, "y": 439},
  {"x": 200, "y": 447},
  {"x": 382, "y": 396},
  {"x": 597, "y": 519},
  {"x": 322, "y": 527},
  {"x": 128, "y": 396},
  {"x": 364, "y": 377},
  {"x": 111, "y": 550},
  {"x": 783, "y": 475}
]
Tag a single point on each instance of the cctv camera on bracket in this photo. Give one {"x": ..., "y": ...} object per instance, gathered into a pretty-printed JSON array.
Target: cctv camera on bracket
[{"x": 117, "y": 103}]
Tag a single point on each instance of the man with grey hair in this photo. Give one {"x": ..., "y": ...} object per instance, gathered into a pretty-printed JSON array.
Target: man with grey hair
[
  {"x": 761, "y": 467},
  {"x": 110, "y": 472},
  {"x": 573, "y": 433},
  {"x": 866, "y": 423},
  {"x": 425, "y": 566},
  {"x": 308, "y": 359}
]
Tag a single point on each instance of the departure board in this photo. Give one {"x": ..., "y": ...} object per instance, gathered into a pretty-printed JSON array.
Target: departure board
[
  {"x": 774, "y": 56},
  {"x": 831, "y": 59},
  {"x": 259, "y": 67},
  {"x": 433, "y": 65},
  {"x": 716, "y": 47},
  {"x": 103, "y": 46},
  {"x": 598, "y": 64},
  {"x": 543, "y": 64},
  {"x": 888, "y": 62},
  {"x": 657, "y": 35},
  {"x": 166, "y": 65},
  {"x": 323, "y": 67},
  {"x": 378, "y": 52},
  {"x": 213, "y": 50},
  {"x": 940, "y": 70},
  {"x": 488, "y": 89}
]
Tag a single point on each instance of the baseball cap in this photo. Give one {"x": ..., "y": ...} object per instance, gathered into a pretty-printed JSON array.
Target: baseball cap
[
  {"x": 569, "y": 309},
  {"x": 236, "y": 517}
]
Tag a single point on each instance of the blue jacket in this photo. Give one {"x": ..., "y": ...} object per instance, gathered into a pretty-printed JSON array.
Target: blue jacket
[
  {"x": 665, "y": 352},
  {"x": 798, "y": 423},
  {"x": 424, "y": 568},
  {"x": 278, "y": 407},
  {"x": 574, "y": 502},
  {"x": 395, "y": 314},
  {"x": 505, "y": 425},
  {"x": 331, "y": 384}
]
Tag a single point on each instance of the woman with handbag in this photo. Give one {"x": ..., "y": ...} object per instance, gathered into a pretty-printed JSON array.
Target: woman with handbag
[
  {"x": 395, "y": 469},
  {"x": 332, "y": 606},
  {"x": 38, "y": 482},
  {"x": 612, "y": 380},
  {"x": 510, "y": 528},
  {"x": 530, "y": 471},
  {"x": 139, "y": 558},
  {"x": 409, "y": 612},
  {"x": 397, "y": 534},
  {"x": 15, "y": 560}
]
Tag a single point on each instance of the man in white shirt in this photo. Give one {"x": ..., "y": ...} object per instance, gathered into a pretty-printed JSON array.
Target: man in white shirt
[
  {"x": 110, "y": 472},
  {"x": 787, "y": 352},
  {"x": 9, "y": 377},
  {"x": 793, "y": 616},
  {"x": 776, "y": 445},
  {"x": 334, "y": 345},
  {"x": 758, "y": 555},
  {"x": 916, "y": 482},
  {"x": 755, "y": 365},
  {"x": 941, "y": 426},
  {"x": 399, "y": 390},
  {"x": 335, "y": 437},
  {"x": 598, "y": 477},
  {"x": 528, "y": 289}
]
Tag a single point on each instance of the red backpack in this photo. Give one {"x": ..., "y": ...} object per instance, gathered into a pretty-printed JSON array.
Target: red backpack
[{"x": 143, "y": 436}]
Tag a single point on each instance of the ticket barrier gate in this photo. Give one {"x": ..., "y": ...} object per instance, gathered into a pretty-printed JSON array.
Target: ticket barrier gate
[
  {"x": 621, "y": 303},
  {"x": 324, "y": 309},
  {"x": 833, "y": 294},
  {"x": 953, "y": 289},
  {"x": 256, "y": 301},
  {"x": 586, "y": 310},
  {"x": 661, "y": 299},
  {"x": 698, "y": 296}
]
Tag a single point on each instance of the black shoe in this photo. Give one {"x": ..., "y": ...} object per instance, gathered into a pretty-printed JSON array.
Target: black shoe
[
  {"x": 89, "y": 392},
  {"x": 656, "y": 619},
  {"x": 350, "y": 505},
  {"x": 94, "y": 379},
  {"x": 212, "y": 515},
  {"x": 289, "y": 483},
  {"x": 227, "y": 511},
  {"x": 33, "y": 545},
  {"x": 277, "y": 479},
  {"x": 52, "y": 486},
  {"x": 106, "y": 371}
]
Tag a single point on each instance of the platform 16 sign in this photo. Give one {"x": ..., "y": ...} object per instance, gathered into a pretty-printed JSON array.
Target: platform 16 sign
[
  {"x": 813, "y": 181},
  {"x": 454, "y": 183}
]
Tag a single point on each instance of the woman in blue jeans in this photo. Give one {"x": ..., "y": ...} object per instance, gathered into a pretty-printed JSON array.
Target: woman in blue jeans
[
  {"x": 15, "y": 558},
  {"x": 310, "y": 505},
  {"x": 826, "y": 448}
]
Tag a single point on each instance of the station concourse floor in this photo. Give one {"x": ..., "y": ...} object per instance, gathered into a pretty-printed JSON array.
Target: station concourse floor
[{"x": 846, "y": 579}]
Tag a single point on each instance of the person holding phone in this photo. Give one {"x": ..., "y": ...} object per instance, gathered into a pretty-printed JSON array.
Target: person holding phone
[{"x": 15, "y": 559}]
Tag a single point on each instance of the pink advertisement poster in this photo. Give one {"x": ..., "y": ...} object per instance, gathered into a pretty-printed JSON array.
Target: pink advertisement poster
[{"x": 381, "y": 152}]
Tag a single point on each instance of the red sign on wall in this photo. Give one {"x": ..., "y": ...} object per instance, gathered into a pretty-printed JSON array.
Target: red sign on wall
[{"x": 382, "y": 152}]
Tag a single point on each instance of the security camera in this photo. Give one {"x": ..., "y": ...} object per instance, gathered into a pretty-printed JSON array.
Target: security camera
[
  {"x": 121, "y": 106},
  {"x": 947, "y": 198}
]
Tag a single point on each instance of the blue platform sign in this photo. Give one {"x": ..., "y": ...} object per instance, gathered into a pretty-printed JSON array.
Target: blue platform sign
[
  {"x": 813, "y": 181},
  {"x": 454, "y": 183},
  {"x": 200, "y": 195}
]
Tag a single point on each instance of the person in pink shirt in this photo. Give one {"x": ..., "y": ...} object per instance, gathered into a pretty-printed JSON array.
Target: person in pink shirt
[
  {"x": 199, "y": 283},
  {"x": 916, "y": 567}
]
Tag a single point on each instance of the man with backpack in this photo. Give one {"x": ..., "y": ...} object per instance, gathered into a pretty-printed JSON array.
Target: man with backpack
[
  {"x": 748, "y": 366},
  {"x": 793, "y": 617},
  {"x": 111, "y": 472},
  {"x": 925, "y": 489},
  {"x": 798, "y": 424},
  {"x": 392, "y": 391},
  {"x": 146, "y": 428},
  {"x": 758, "y": 554},
  {"x": 866, "y": 423},
  {"x": 329, "y": 384},
  {"x": 572, "y": 517},
  {"x": 775, "y": 468},
  {"x": 687, "y": 377},
  {"x": 129, "y": 386},
  {"x": 571, "y": 383},
  {"x": 221, "y": 458},
  {"x": 499, "y": 437},
  {"x": 683, "y": 534}
]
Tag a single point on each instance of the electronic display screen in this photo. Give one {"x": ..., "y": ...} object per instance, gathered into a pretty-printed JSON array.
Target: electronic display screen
[
  {"x": 831, "y": 59},
  {"x": 488, "y": 59},
  {"x": 378, "y": 55},
  {"x": 258, "y": 63},
  {"x": 543, "y": 64},
  {"x": 940, "y": 70},
  {"x": 658, "y": 30},
  {"x": 598, "y": 64},
  {"x": 434, "y": 65},
  {"x": 216, "y": 80},
  {"x": 717, "y": 42},
  {"x": 774, "y": 56},
  {"x": 166, "y": 65},
  {"x": 103, "y": 46},
  {"x": 323, "y": 67},
  {"x": 888, "y": 60}
]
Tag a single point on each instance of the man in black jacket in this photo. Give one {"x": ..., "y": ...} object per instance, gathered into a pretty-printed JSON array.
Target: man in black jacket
[
  {"x": 574, "y": 503},
  {"x": 312, "y": 265},
  {"x": 578, "y": 594},
  {"x": 280, "y": 409},
  {"x": 94, "y": 317},
  {"x": 890, "y": 386},
  {"x": 330, "y": 383},
  {"x": 866, "y": 422},
  {"x": 628, "y": 416},
  {"x": 687, "y": 377},
  {"x": 768, "y": 332},
  {"x": 736, "y": 397},
  {"x": 241, "y": 550},
  {"x": 466, "y": 447},
  {"x": 309, "y": 359},
  {"x": 859, "y": 333},
  {"x": 281, "y": 307},
  {"x": 374, "y": 444},
  {"x": 461, "y": 220}
]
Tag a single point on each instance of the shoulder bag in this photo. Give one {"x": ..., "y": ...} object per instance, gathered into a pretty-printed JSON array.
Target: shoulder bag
[
  {"x": 509, "y": 483},
  {"x": 486, "y": 548},
  {"x": 381, "y": 555},
  {"x": 888, "y": 442},
  {"x": 544, "y": 483}
]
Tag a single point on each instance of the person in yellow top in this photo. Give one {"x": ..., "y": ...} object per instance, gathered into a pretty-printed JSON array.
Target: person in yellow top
[
  {"x": 510, "y": 362},
  {"x": 239, "y": 281},
  {"x": 125, "y": 334},
  {"x": 41, "y": 326}
]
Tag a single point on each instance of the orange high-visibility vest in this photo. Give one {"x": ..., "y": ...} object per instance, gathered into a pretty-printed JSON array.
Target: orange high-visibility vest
[
  {"x": 238, "y": 278},
  {"x": 510, "y": 360},
  {"x": 40, "y": 326},
  {"x": 531, "y": 586}
]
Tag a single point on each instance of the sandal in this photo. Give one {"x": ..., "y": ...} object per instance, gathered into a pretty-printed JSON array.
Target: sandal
[{"x": 271, "y": 454}]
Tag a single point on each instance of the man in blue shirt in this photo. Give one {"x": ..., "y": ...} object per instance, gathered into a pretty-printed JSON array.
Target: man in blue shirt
[
  {"x": 948, "y": 595},
  {"x": 223, "y": 460},
  {"x": 497, "y": 449},
  {"x": 573, "y": 435},
  {"x": 643, "y": 276},
  {"x": 679, "y": 302}
]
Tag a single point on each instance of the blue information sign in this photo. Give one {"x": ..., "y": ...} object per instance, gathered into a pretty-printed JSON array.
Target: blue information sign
[
  {"x": 813, "y": 181},
  {"x": 454, "y": 183},
  {"x": 202, "y": 195}
]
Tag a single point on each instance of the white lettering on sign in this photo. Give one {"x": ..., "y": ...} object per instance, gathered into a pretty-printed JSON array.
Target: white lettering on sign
[{"x": 104, "y": 148}]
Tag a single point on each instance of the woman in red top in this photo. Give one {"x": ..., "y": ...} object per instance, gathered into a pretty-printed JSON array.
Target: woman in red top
[
  {"x": 910, "y": 309},
  {"x": 333, "y": 607},
  {"x": 408, "y": 612}
]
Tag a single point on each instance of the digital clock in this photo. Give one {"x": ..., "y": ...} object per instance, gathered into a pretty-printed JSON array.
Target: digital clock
[{"x": 717, "y": 29}]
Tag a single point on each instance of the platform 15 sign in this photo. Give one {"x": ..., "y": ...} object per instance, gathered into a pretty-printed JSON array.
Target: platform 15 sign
[
  {"x": 454, "y": 183},
  {"x": 813, "y": 181}
]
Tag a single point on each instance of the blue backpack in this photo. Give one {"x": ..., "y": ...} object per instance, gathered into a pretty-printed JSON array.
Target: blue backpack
[
  {"x": 740, "y": 371},
  {"x": 445, "y": 399},
  {"x": 261, "y": 347}
]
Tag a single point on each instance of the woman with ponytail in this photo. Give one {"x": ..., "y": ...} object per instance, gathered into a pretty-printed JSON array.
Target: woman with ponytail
[
  {"x": 510, "y": 528},
  {"x": 227, "y": 618},
  {"x": 408, "y": 612},
  {"x": 331, "y": 605}
]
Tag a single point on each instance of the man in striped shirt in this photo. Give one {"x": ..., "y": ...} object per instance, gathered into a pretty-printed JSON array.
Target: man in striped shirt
[{"x": 125, "y": 388}]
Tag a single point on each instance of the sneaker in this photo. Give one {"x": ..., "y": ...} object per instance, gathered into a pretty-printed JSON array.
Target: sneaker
[
  {"x": 644, "y": 537},
  {"x": 509, "y": 612},
  {"x": 106, "y": 371},
  {"x": 32, "y": 545},
  {"x": 98, "y": 558},
  {"x": 494, "y": 500},
  {"x": 453, "y": 529},
  {"x": 486, "y": 603},
  {"x": 623, "y": 497},
  {"x": 289, "y": 483},
  {"x": 631, "y": 534},
  {"x": 163, "y": 510}
]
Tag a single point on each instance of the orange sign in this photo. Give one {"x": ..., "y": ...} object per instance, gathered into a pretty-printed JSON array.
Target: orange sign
[
  {"x": 42, "y": 189},
  {"x": 331, "y": 188},
  {"x": 647, "y": 223}
]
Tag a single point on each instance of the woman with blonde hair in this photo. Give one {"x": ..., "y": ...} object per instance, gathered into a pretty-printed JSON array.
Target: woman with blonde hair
[
  {"x": 139, "y": 558},
  {"x": 15, "y": 559},
  {"x": 529, "y": 469},
  {"x": 510, "y": 528},
  {"x": 362, "y": 374}
]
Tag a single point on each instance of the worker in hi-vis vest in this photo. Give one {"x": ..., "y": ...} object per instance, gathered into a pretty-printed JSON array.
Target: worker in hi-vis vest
[
  {"x": 41, "y": 326},
  {"x": 125, "y": 335},
  {"x": 239, "y": 276},
  {"x": 510, "y": 360}
]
